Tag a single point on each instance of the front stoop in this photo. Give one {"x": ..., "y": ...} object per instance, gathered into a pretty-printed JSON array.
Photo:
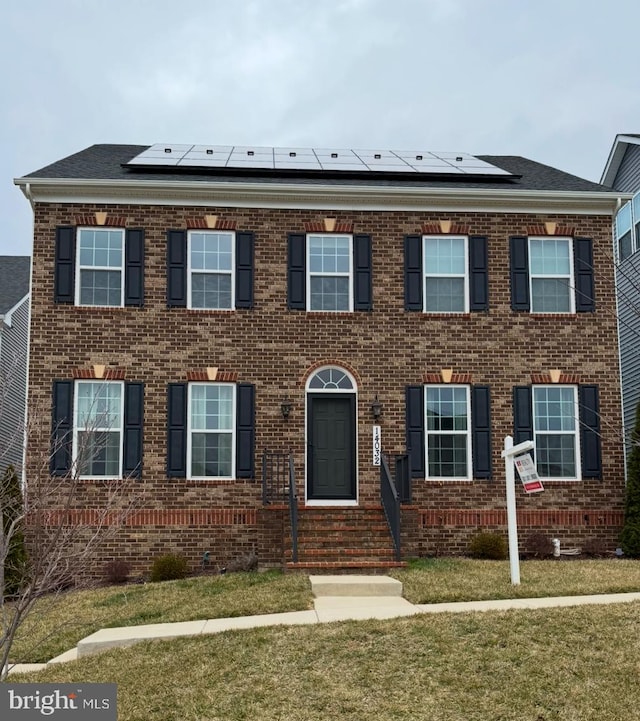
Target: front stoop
[{"x": 359, "y": 586}]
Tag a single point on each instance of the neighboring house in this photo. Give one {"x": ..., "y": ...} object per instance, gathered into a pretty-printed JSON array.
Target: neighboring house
[
  {"x": 217, "y": 321},
  {"x": 14, "y": 340},
  {"x": 622, "y": 172}
]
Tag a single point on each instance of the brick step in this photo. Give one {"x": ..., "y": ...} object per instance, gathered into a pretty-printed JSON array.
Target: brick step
[
  {"x": 333, "y": 551},
  {"x": 344, "y": 566},
  {"x": 344, "y": 528}
]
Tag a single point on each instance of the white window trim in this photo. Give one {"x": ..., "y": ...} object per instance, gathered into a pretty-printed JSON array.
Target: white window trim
[
  {"x": 76, "y": 429},
  {"x": 232, "y": 272},
  {"x": 570, "y": 277},
  {"x": 340, "y": 274},
  {"x": 232, "y": 432},
  {"x": 575, "y": 432},
  {"x": 79, "y": 268},
  {"x": 464, "y": 276},
  {"x": 468, "y": 432}
]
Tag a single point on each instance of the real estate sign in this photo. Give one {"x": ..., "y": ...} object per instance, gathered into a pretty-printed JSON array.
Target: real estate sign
[{"x": 528, "y": 474}]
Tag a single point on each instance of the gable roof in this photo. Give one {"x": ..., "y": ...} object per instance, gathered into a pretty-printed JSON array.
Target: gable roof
[
  {"x": 14, "y": 280},
  {"x": 108, "y": 162},
  {"x": 616, "y": 156}
]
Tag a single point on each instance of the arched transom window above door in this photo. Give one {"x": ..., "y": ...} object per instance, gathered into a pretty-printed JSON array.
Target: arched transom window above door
[{"x": 331, "y": 379}]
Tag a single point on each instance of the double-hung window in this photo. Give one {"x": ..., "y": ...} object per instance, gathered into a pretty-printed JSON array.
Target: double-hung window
[
  {"x": 330, "y": 272},
  {"x": 448, "y": 432},
  {"x": 446, "y": 285},
  {"x": 211, "y": 430},
  {"x": 627, "y": 228},
  {"x": 100, "y": 267},
  {"x": 551, "y": 275},
  {"x": 556, "y": 431},
  {"x": 98, "y": 428},
  {"x": 211, "y": 270}
]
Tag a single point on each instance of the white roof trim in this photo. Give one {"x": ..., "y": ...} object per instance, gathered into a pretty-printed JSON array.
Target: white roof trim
[
  {"x": 7, "y": 317},
  {"x": 616, "y": 155},
  {"x": 318, "y": 196}
]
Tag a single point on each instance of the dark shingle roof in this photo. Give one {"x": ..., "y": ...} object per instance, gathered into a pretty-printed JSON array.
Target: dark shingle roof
[
  {"x": 105, "y": 162},
  {"x": 14, "y": 280}
]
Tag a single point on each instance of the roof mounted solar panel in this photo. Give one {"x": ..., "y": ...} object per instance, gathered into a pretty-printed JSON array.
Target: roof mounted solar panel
[{"x": 218, "y": 158}]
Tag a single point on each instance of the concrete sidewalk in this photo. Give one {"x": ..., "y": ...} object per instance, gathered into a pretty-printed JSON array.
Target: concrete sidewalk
[{"x": 327, "y": 609}]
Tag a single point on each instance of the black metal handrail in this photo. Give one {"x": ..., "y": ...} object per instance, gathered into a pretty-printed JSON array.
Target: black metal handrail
[
  {"x": 391, "y": 504},
  {"x": 400, "y": 463},
  {"x": 293, "y": 510},
  {"x": 275, "y": 477}
]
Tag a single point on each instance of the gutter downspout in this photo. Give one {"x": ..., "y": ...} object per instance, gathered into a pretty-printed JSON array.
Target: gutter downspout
[
  {"x": 28, "y": 195},
  {"x": 615, "y": 284}
]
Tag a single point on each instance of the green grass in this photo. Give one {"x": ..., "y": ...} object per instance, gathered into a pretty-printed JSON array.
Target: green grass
[
  {"x": 461, "y": 579},
  {"x": 57, "y": 624},
  {"x": 562, "y": 664}
]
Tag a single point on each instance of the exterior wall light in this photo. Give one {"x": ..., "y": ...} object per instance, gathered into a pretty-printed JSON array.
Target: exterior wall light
[
  {"x": 285, "y": 407},
  {"x": 376, "y": 408}
]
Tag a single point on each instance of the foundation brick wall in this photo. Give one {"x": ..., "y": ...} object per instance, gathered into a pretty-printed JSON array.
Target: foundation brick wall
[{"x": 276, "y": 349}]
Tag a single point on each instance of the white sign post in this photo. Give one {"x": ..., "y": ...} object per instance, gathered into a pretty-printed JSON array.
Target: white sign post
[
  {"x": 377, "y": 445},
  {"x": 509, "y": 453}
]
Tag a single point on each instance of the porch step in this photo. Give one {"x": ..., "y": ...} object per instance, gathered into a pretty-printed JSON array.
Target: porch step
[
  {"x": 337, "y": 539},
  {"x": 355, "y": 586},
  {"x": 335, "y": 567}
]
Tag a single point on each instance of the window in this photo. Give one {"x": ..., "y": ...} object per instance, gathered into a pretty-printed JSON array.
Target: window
[
  {"x": 98, "y": 428},
  {"x": 556, "y": 431},
  {"x": 211, "y": 270},
  {"x": 448, "y": 437},
  {"x": 551, "y": 275},
  {"x": 329, "y": 272},
  {"x": 623, "y": 232},
  {"x": 100, "y": 269},
  {"x": 99, "y": 266},
  {"x": 211, "y": 436},
  {"x": 329, "y": 261},
  {"x": 445, "y": 271}
]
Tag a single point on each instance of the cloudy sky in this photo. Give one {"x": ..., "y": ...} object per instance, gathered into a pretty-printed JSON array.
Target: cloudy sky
[{"x": 552, "y": 80}]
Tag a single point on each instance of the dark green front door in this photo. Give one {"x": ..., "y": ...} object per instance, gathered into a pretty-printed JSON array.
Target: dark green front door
[{"x": 331, "y": 447}]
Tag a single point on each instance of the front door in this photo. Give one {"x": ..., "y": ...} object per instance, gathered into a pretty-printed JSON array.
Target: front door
[{"x": 331, "y": 458}]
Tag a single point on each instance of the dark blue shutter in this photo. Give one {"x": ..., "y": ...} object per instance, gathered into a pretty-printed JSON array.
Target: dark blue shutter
[
  {"x": 177, "y": 430},
  {"x": 413, "y": 273},
  {"x": 481, "y": 431},
  {"x": 297, "y": 271},
  {"x": 415, "y": 429},
  {"x": 134, "y": 267},
  {"x": 65, "y": 265},
  {"x": 478, "y": 273},
  {"x": 363, "y": 298},
  {"x": 177, "y": 269},
  {"x": 245, "y": 431},
  {"x": 132, "y": 441},
  {"x": 583, "y": 271},
  {"x": 590, "y": 431},
  {"x": 522, "y": 415},
  {"x": 61, "y": 428},
  {"x": 519, "y": 259},
  {"x": 244, "y": 270}
]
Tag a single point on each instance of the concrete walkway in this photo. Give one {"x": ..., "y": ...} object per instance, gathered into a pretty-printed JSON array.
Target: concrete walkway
[{"x": 337, "y": 598}]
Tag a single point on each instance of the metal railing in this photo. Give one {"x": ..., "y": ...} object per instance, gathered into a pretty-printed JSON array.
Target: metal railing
[
  {"x": 400, "y": 465},
  {"x": 391, "y": 504},
  {"x": 279, "y": 486}
]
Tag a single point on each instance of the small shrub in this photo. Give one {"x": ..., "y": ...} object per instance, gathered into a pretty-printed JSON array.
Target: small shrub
[
  {"x": 117, "y": 572},
  {"x": 539, "y": 546},
  {"x": 488, "y": 545},
  {"x": 630, "y": 536},
  {"x": 247, "y": 562},
  {"x": 595, "y": 548},
  {"x": 169, "y": 568},
  {"x": 16, "y": 562}
]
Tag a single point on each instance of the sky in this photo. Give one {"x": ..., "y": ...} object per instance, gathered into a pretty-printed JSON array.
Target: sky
[{"x": 551, "y": 80}]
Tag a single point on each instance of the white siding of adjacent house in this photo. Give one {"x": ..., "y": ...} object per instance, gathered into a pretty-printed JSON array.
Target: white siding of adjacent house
[
  {"x": 13, "y": 386},
  {"x": 628, "y": 281}
]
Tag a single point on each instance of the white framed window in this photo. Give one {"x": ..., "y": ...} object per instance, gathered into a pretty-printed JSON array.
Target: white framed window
[
  {"x": 330, "y": 272},
  {"x": 448, "y": 432},
  {"x": 100, "y": 267},
  {"x": 211, "y": 264},
  {"x": 211, "y": 430},
  {"x": 556, "y": 431},
  {"x": 551, "y": 281},
  {"x": 98, "y": 420},
  {"x": 446, "y": 276}
]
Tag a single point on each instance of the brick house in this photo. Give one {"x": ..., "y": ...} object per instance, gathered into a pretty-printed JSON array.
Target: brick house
[{"x": 240, "y": 313}]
